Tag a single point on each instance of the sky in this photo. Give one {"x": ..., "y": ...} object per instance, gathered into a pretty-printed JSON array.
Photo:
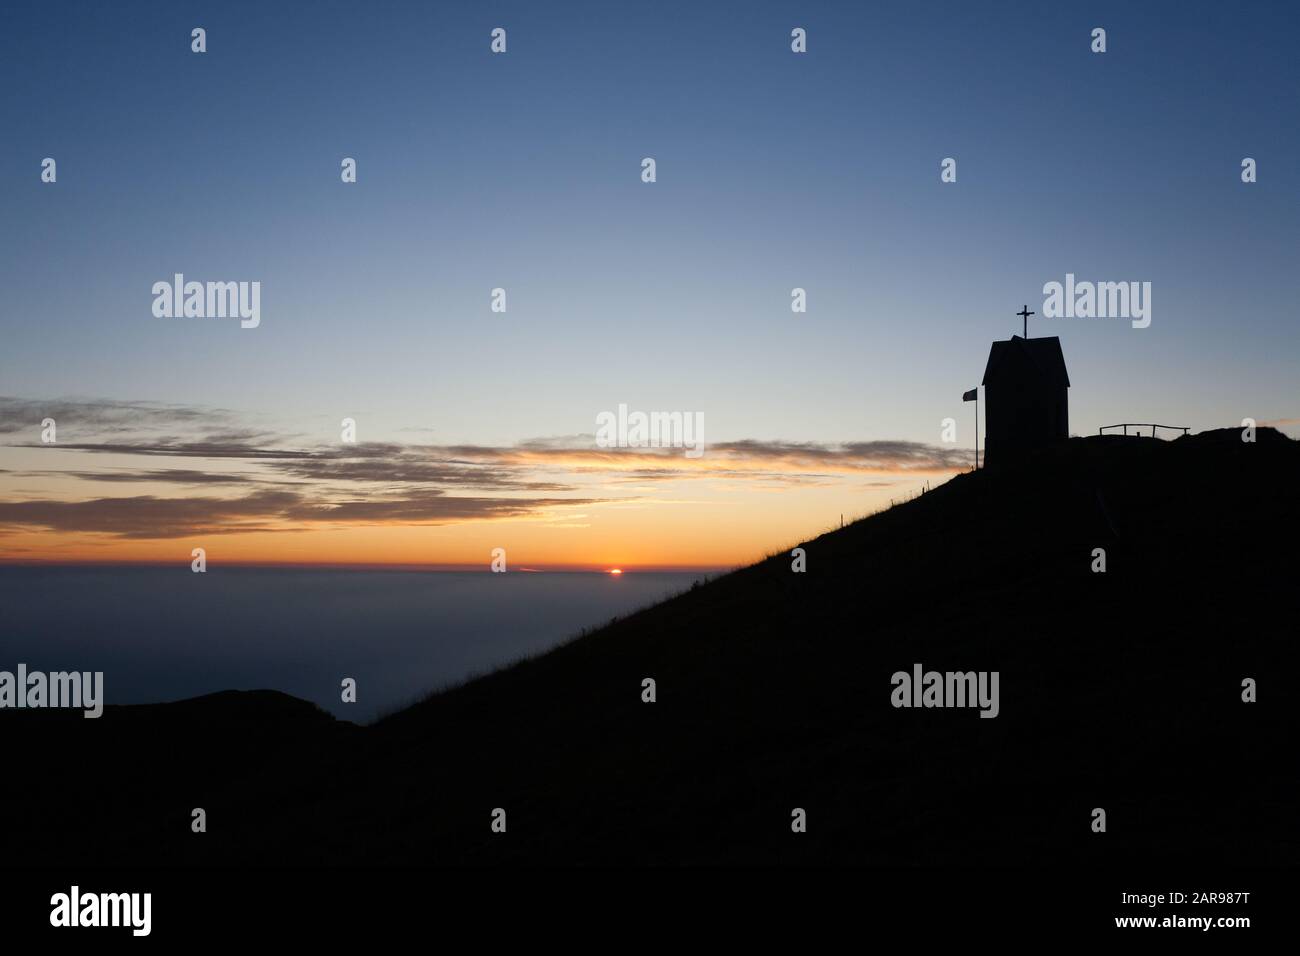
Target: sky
[{"x": 522, "y": 171}]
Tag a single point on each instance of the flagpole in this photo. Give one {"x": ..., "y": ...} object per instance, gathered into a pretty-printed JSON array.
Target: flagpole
[{"x": 977, "y": 428}]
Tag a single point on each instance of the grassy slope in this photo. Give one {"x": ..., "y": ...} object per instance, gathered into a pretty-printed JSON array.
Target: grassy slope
[{"x": 1119, "y": 690}]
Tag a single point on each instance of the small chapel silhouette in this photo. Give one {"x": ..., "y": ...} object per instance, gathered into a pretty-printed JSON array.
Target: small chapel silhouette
[{"x": 1025, "y": 390}]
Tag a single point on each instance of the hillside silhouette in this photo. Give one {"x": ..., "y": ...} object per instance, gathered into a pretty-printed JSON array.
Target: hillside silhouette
[{"x": 1119, "y": 690}]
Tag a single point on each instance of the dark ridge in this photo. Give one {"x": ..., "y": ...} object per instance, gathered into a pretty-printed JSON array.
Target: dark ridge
[{"x": 1119, "y": 690}]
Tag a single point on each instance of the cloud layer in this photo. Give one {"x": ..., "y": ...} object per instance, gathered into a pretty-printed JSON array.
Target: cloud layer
[{"x": 279, "y": 484}]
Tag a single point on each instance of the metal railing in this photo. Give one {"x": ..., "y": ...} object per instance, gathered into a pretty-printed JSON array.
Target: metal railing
[{"x": 1127, "y": 425}]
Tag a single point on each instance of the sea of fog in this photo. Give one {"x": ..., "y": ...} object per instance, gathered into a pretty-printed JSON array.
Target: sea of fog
[{"x": 166, "y": 634}]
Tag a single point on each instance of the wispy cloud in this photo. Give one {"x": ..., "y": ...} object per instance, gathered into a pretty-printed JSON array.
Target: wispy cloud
[
  {"x": 175, "y": 476},
  {"x": 147, "y": 516},
  {"x": 101, "y": 417},
  {"x": 291, "y": 484}
]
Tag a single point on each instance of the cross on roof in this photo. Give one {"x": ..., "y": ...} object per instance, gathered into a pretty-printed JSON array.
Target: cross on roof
[{"x": 1024, "y": 313}]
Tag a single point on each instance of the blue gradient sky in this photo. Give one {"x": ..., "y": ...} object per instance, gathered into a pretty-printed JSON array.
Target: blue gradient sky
[{"x": 775, "y": 170}]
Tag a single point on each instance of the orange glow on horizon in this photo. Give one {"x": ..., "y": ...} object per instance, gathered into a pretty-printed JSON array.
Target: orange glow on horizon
[{"x": 702, "y": 523}]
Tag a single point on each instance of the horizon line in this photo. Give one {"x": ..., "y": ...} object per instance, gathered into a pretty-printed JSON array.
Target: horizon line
[{"x": 531, "y": 568}]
